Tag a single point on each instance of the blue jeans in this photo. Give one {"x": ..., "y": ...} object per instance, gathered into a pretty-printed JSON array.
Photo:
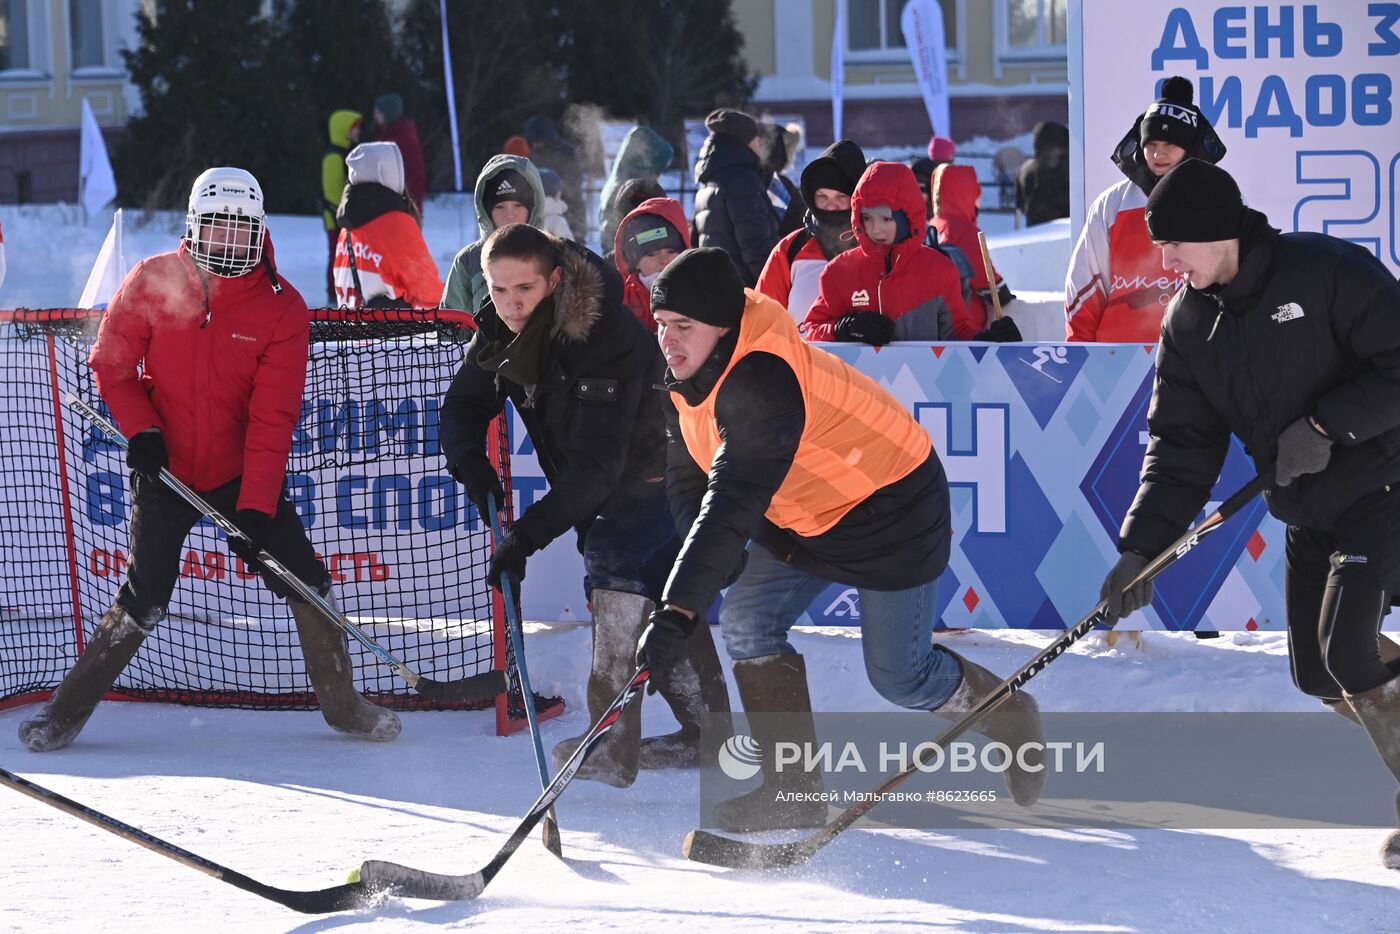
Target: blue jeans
[
  {"x": 896, "y": 629},
  {"x": 632, "y": 551}
]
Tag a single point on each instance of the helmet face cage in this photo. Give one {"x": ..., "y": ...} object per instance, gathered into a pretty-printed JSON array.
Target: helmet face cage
[
  {"x": 224, "y": 233},
  {"x": 224, "y": 244}
]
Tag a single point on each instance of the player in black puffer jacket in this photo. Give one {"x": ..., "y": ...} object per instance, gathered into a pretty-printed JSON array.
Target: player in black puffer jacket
[{"x": 1292, "y": 343}]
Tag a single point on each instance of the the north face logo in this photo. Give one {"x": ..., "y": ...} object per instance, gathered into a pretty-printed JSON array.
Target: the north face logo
[
  {"x": 859, "y": 298},
  {"x": 1289, "y": 312},
  {"x": 505, "y": 187}
]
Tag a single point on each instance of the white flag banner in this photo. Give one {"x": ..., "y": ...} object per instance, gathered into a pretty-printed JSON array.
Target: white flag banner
[
  {"x": 838, "y": 69},
  {"x": 922, "y": 23},
  {"x": 97, "y": 185},
  {"x": 108, "y": 271}
]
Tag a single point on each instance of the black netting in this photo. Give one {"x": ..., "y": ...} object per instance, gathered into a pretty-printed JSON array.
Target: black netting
[{"x": 407, "y": 551}]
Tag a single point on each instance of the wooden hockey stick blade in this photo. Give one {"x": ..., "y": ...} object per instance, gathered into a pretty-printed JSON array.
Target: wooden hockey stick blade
[{"x": 701, "y": 846}]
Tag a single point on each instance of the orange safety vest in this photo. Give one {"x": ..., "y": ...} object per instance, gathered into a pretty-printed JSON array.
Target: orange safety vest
[{"x": 857, "y": 439}]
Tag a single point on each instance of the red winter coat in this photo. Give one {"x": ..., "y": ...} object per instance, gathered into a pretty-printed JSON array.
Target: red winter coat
[
  {"x": 404, "y": 132},
  {"x": 224, "y": 369},
  {"x": 634, "y": 294},
  {"x": 893, "y": 280},
  {"x": 794, "y": 283},
  {"x": 955, "y": 192},
  {"x": 392, "y": 260}
]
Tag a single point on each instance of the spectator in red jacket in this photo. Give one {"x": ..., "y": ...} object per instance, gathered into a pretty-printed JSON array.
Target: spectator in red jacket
[
  {"x": 393, "y": 127},
  {"x": 891, "y": 277},
  {"x": 793, "y": 268},
  {"x": 201, "y": 357},
  {"x": 648, "y": 238},
  {"x": 381, "y": 259},
  {"x": 955, "y": 194}
]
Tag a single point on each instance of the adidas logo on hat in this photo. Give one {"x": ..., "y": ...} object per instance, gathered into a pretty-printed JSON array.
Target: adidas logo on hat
[{"x": 505, "y": 187}]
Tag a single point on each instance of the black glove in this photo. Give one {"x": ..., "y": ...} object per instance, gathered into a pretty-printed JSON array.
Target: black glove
[
  {"x": 253, "y": 526},
  {"x": 1301, "y": 449},
  {"x": 146, "y": 454},
  {"x": 475, "y": 473},
  {"x": 867, "y": 327},
  {"x": 664, "y": 644},
  {"x": 1003, "y": 331},
  {"x": 1121, "y": 604},
  {"x": 509, "y": 557}
]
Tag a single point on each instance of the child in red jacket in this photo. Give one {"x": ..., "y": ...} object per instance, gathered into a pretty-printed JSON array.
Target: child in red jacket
[
  {"x": 891, "y": 287},
  {"x": 647, "y": 239}
]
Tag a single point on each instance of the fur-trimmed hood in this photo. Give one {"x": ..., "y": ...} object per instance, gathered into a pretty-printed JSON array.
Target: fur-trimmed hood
[{"x": 578, "y": 301}]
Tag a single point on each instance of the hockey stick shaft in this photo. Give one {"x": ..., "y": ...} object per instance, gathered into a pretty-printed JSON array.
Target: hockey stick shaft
[
  {"x": 991, "y": 275},
  {"x": 706, "y": 847},
  {"x": 396, "y": 879},
  {"x": 321, "y": 901},
  {"x": 516, "y": 633},
  {"x": 474, "y": 688}
]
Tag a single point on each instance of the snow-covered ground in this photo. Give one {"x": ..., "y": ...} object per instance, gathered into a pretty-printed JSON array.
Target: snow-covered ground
[{"x": 279, "y": 797}]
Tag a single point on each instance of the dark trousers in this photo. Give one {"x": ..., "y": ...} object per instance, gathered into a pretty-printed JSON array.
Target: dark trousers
[
  {"x": 1339, "y": 587},
  {"x": 160, "y": 521},
  {"x": 632, "y": 550}
]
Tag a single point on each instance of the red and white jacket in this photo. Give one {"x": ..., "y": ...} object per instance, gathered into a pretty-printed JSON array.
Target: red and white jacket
[
  {"x": 794, "y": 282},
  {"x": 1116, "y": 289},
  {"x": 218, "y": 365},
  {"x": 392, "y": 260}
]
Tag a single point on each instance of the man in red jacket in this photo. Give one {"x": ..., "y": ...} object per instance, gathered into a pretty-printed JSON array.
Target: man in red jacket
[
  {"x": 201, "y": 358},
  {"x": 891, "y": 274}
]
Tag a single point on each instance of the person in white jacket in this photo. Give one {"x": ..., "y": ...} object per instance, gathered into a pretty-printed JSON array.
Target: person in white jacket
[{"x": 1116, "y": 289}]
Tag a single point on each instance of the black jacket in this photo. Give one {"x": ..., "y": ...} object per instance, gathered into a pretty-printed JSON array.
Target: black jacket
[
  {"x": 1310, "y": 325},
  {"x": 594, "y": 416},
  {"x": 1042, "y": 184},
  {"x": 897, "y": 538},
  {"x": 732, "y": 210}
]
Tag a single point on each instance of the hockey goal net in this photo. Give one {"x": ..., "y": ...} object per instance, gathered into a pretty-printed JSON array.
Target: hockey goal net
[{"x": 407, "y": 552}]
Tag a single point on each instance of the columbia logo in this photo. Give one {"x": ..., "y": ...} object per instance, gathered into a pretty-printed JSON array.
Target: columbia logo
[
  {"x": 1289, "y": 312},
  {"x": 244, "y": 337},
  {"x": 505, "y": 187},
  {"x": 860, "y": 297}
]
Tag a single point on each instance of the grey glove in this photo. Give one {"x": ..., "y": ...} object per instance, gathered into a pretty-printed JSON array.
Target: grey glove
[
  {"x": 1122, "y": 603},
  {"x": 1301, "y": 449}
]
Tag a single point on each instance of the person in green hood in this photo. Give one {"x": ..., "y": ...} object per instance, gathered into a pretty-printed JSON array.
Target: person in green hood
[
  {"x": 344, "y": 132},
  {"x": 508, "y": 191}
]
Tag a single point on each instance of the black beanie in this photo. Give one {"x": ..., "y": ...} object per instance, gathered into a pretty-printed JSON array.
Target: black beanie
[
  {"x": 1196, "y": 202},
  {"x": 734, "y": 124},
  {"x": 703, "y": 285},
  {"x": 827, "y": 173},
  {"x": 647, "y": 233},
  {"x": 508, "y": 185},
  {"x": 1173, "y": 118}
]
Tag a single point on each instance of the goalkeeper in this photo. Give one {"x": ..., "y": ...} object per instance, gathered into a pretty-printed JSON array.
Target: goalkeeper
[{"x": 201, "y": 357}]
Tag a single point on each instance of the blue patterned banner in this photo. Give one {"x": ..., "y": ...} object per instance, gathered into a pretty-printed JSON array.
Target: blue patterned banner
[{"x": 1042, "y": 444}]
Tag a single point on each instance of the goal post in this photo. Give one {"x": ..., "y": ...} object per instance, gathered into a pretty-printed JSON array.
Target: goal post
[{"x": 406, "y": 550}]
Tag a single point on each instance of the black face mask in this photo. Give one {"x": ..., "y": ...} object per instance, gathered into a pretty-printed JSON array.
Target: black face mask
[{"x": 832, "y": 230}]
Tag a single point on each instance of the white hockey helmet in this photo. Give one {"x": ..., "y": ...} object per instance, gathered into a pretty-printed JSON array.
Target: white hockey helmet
[{"x": 224, "y": 226}]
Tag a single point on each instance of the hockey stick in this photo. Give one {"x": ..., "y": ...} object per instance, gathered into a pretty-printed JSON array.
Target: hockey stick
[
  {"x": 480, "y": 687},
  {"x": 321, "y": 901},
  {"x": 549, "y": 834},
  {"x": 705, "y": 847},
  {"x": 405, "y": 881}
]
